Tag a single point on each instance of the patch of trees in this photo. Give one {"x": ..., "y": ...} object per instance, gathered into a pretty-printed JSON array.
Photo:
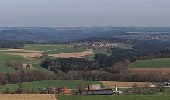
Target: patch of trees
[
  {"x": 151, "y": 76},
  {"x": 97, "y": 75},
  {"x": 25, "y": 76},
  {"x": 143, "y": 50},
  {"x": 153, "y": 48},
  {"x": 101, "y": 62}
]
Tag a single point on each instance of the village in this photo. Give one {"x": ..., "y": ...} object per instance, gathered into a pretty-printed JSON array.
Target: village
[{"x": 129, "y": 88}]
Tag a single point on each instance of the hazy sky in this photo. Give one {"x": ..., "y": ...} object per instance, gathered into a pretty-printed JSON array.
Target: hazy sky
[{"x": 58, "y": 13}]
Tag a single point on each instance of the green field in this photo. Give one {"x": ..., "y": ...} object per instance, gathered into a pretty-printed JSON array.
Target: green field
[
  {"x": 4, "y": 58},
  {"x": 35, "y": 85},
  {"x": 98, "y": 51},
  {"x": 152, "y": 63},
  {"x": 113, "y": 97},
  {"x": 10, "y": 58},
  {"x": 42, "y": 47},
  {"x": 54, "y": 49}
]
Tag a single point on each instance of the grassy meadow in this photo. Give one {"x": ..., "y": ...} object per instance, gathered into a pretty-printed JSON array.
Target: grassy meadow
[
  {"x": 35, "y": 85},
  {"x": 152, "y": 63},
  {"x": 5, "y": 58},
  {"x": 113, "y": 97},
  {"x": 55, "y": 49}
]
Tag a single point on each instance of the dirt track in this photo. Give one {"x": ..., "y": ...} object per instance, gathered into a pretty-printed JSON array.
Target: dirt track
[{"x": 27, "y": 97}]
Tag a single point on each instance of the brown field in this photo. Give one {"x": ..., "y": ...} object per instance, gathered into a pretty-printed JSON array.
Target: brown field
[
  {"x": 29, "y": 54},
  {"x": 27, "y": 97},
  {"x": 75, "y": 55},
  {"x": 18, "y": 50},
  {"x": 148, "y": 70},
  {"x": 111, "y": 84}
]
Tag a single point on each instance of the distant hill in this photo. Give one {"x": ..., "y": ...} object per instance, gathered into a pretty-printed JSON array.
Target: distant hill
[{"x": 67, "y": 34}]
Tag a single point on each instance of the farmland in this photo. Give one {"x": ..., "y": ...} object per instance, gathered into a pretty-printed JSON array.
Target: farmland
[
  {"x": 4, "y": 58},
  {"x": 97, "y": 51},
  {"x": 28, "y": 54},
  {"x": 10, "y": 58},
  {"x": 32, "y": 54},
  {"x": 103, "y": 97},
  {"x": 55, "y": 49},
  {"x": 27, "y": 97},
  {"x": 81, "y": 97},
  {"x": 77, "y": 54},
  {"x": 70, "y": 50},
  {"x": 152, "y": 63},
  {"x": 36, "y": 85}
]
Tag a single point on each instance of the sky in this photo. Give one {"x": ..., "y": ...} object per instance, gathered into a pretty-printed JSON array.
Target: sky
[{"x": 74, "y": 13}]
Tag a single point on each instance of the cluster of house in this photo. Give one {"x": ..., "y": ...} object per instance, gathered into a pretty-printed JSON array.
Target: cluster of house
[
  {"x": 167, "y": 83},
  {"x": 97, "y": 90},
  {"x": 91, "y": 90},
  {"x": 157, "y": 37},
  {"x": 94, "y": 89},
  {"x": 103, "y": 45}
]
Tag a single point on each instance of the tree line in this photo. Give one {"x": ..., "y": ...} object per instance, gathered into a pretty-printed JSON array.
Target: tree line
[{"x": 11, "y": 44}]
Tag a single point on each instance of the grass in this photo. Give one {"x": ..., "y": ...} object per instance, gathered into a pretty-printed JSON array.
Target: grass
[
  {"x": 4, "y": 58},
  {"x": 152, "y": 63},
  {"x": 97, "y": 51},
  {"x": 113, "y": 97},
  {"x": 6, "y": 69},
  {"x": 55, "y": 49},
  {"x": 35, "y": 85},
  {"x": 42, "y": 47}
]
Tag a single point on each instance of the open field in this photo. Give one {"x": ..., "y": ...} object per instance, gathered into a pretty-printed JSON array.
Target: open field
[
  {"x": 111, "y": 84},
  {"x": 24, "y": 53},
  {"x": 55, "y": 48},
  {"x": 31, "y": 54},
  {"x": 43, "y": 47},
  {"x": 75, "y": 55},
  {"x": 81, "y": 97},
  {"x": 113, "y": 97},
  {"x": 35, "y": 50},
  {"x": 27, "y": 97},
  {"x": 5, "y": 69},
  {"x": 97, "y": 51},
  {"x": 152, "y": 63},
  {"x": 4, "y": 58},
  {"x": 36, "y": 85},
  {"x": 149, "y": 70}
]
